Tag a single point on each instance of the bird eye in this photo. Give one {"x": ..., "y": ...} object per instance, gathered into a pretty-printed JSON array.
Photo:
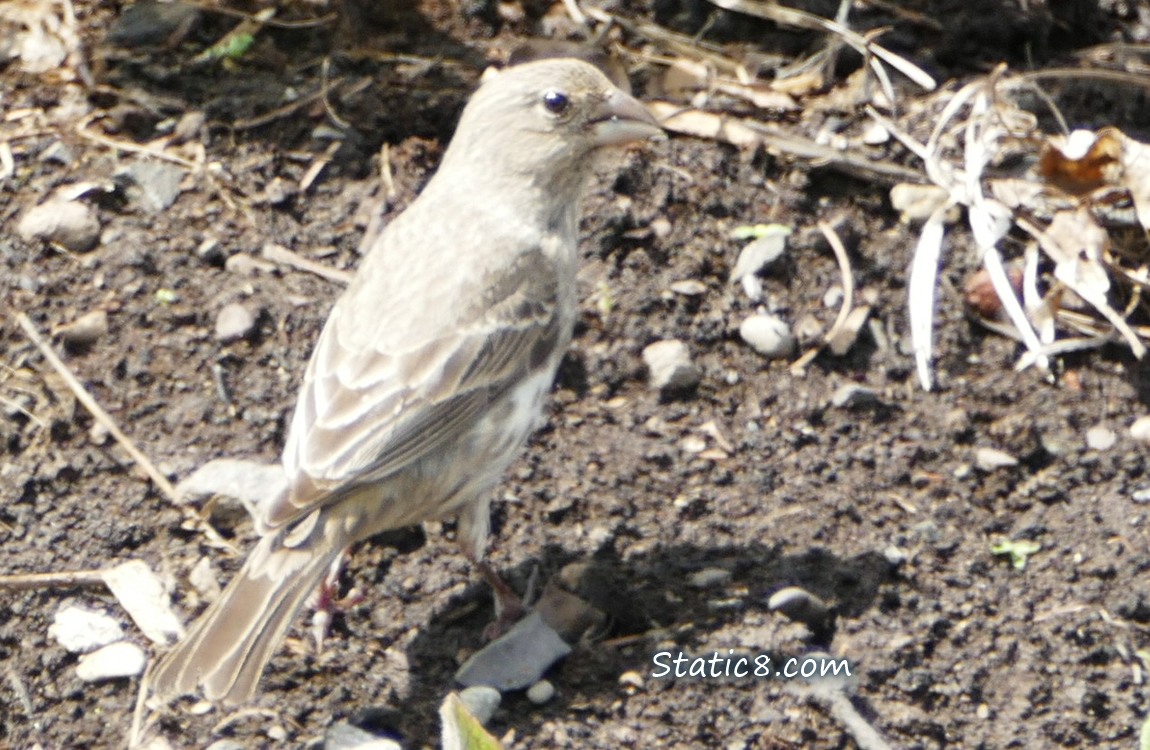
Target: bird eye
[{"x": 556, "y": 102}]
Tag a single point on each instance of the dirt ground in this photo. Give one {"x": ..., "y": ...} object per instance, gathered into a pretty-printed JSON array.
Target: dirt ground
[{"x": 878, "y": 507}]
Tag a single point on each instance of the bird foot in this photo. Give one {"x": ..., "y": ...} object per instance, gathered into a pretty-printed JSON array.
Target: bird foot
[
  {"x": 509, "y": 608},
  {"x": 328, "y": 603}
]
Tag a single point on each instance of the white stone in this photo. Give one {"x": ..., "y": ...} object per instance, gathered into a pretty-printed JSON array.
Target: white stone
[
  {"x": 1100, "y": 438},
  {"x": 234, "y": 322},
  {"x": 81, "y": 630},
  {"x": 989, "y": 459},
  {"x": 123, "y": 659},
  {"x": 1140, "y": 430},
  {"x": 68, "y": 223},
  {"x": 541, "y": 692},
  {"x": 800, "y": 605},
  {"x": 140, "y": 593},
  {"x": 670, "y": 365},
  {"x": 709, "y": 578},
  {"x": 769, "y": 335}
]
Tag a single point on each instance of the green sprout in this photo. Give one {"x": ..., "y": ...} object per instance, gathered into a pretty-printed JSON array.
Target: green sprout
[
  {"x": 1018, "y": 551},
  {"x": 166, "y": 296},
  {"x": 758, "y": 231}
]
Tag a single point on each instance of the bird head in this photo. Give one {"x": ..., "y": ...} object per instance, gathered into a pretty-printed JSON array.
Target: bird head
[{"x": 546, "y": 118}]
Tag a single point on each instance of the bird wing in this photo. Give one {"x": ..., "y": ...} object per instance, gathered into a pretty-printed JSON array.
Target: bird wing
[{"x": 367, "y": 411}]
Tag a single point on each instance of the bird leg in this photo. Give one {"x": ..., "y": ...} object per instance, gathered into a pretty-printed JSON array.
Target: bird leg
[
  {"x": 327, "y": 602},
  {"x": 509, "y": 607}
]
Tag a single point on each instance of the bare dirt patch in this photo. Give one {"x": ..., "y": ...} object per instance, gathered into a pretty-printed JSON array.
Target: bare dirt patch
[{"x": 877, "y": 507}]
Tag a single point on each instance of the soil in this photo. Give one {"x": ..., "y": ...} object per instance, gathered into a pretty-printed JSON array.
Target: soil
[{"x": 878, "y": 508}]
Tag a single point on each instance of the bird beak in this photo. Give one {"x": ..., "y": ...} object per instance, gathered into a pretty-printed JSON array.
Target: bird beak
[{"x": 622, "y": 119}]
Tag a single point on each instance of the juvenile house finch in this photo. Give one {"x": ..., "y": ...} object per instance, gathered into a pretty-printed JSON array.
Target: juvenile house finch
[{"x": 432, "y": 367}]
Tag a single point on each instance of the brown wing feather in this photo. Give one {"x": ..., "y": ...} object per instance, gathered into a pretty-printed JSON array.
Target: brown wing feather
[{"x": 365, "y": 414}]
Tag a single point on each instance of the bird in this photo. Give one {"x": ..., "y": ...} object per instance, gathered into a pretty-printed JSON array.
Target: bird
[{"x": 434, "y": 364}]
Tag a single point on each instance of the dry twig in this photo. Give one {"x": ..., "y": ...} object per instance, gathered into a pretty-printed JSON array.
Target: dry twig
[
  {"x": 65, "y": 579},
  {"x": 105, "y": 420}
]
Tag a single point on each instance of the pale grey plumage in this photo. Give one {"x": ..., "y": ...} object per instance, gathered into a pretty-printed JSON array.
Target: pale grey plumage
[{"x": 432, "y": 367}]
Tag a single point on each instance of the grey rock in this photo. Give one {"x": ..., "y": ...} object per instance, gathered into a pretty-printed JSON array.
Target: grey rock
[
  {"x": 516, "y": 660},
  {"x": 670, "y": 365},
  {"x": 481, "y": 701},
  {"x": 248, "y": 483},
  {"x": 155, "y": 184}
]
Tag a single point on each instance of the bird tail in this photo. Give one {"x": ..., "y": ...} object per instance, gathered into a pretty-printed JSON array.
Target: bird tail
[{"x": 228, "y": 647}]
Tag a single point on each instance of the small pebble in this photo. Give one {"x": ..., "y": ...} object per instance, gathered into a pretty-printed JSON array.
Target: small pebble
[
  {"x": 541, "y": 692},
  {"x": 800, "y": 605},
  {"x": 225, "y": 745},
  {"x": 69, "y": 223},
  {"x": 1100, "y": 438},
  {"x": 204, "y": 580},
  {"x": 86, "y": 329},
  {"x": 1140, "y": 430},
  {"x": 916, "y": 203},
  {"x": 210, "y": 251},
  {"x": 157, "y": 743},
  {"x": 123, "y": 659},
  {"x": 277, "y": 732},
  {"x": 689, "y": 288},
  {"x": 875, "y": 135},
  {"x": 481, "y": 701},
  {"x": 989, "y": 459},
  {"x": 345, "y": 736},
  {"x": 82, "y": 630},
  {"x": 769, "y": 335},
  {"x": 709, "y": 578},
  {"x": 670, "y": 365},
  {"x": 895, "y": 555},
  {"x": 851, "y": 396},
  {"x": 631, "y": 679},
  {"x": 761, "y": 252},
  {"x": 247, "y": 265},
  {"x": 234, "y": 322},
  {"x": 189, "y": 126},
  {"x": 140, "y": 592}
]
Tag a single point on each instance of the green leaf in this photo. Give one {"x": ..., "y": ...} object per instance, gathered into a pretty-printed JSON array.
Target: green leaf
[
  {"x": 231, "y": 47},
  {"x": 461, "y": 730},
  {"x": 1018, "y": 551}
]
